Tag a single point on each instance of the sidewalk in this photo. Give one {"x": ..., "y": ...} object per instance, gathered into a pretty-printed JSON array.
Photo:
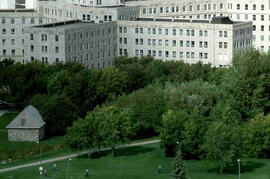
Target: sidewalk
[{"x": 74, "y": 155}]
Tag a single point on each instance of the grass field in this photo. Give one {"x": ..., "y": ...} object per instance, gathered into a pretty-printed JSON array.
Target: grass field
[{"x": 140, "y": 163}]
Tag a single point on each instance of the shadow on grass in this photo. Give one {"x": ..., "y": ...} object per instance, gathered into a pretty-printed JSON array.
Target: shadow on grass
[
  {"x": 246, "y": 167},
  {"x": 120, "y": 152}
]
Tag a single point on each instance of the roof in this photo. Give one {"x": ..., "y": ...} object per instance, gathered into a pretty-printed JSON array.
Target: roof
[
  {"x": 215, "y": 20},
  {"x": 29, "y": 118}
]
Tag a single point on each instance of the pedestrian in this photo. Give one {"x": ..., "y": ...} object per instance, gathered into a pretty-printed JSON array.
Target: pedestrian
[
  {"x": 45, "y": 172},
  {"x": 54, "y": 166},
  {"x": 159, "y": 169},
  {"x": 86, "y": 173}
]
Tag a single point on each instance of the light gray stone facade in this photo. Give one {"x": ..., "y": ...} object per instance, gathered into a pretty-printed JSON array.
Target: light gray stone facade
[
  {"x": 29, "y": 135},
  {"x": 92, "y": 44}
]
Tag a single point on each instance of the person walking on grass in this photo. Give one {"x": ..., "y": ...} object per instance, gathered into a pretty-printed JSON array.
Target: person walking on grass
[
  {"x": 54, "y": 166},
  {"x": 86, "y": 173},
  {"x": 159, "y": 169}
]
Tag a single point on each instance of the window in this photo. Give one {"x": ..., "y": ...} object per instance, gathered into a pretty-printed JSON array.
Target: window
[
  {"x": 205, "y": 33},
  {"x": 56, "y": 38},
  {"x": 160, "y": 31},
  {"x": 188, "y": 32},
  {"x": 238, "y": 6},
  {"x": 4, "y": 31},
  {"x": 4, "y": 41},
  {"x": 13, "y": 52},
  {"x": 12, "y": 41},
  {"x": 225, "y": 34},
  {"x": 181, "y": 44},
  {"x": 262, "y": 7},
  {"x": 149, "y": 30},
  {"x": 174, "y": 43},
  {"x": 141, "y": 30},
  {"x": 3, "y": 21},
  {"x": 31, "y": 48},
  {"x": 12, "y": 20},
  {"x": 12, "y": 31},
  {"x": 181, "y": 32},
  {"x": 160, "y": 53},
  {"x": 225, "y": 45},
  {"x": 167, "y": 53},
  {"x": 120, "y": 29},
  {"x": 43, "y": 37},
  {"x": 136, "y": 30},
  {"x": 200, "y": 33},
  {"x": 149, "y": 41},
  {"x": 32, "y": 20},
  {"x": 220, "y": 44},
  {"x": 174, "y": 31},
  {"x": 205, "y": 44},
  {"x": 220, "y": 33},
  {"x": 174, "y": 54},
  {"x": 56, "y": 49},
  {"x": 23, "y": 20},
  {"x": 160, "y": 42},
  {"x": 166, "y": 31},
  {"x": 262, "y": 17}
]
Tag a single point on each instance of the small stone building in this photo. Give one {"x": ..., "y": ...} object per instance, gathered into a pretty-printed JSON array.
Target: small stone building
[{"x": 27, "y": 126}]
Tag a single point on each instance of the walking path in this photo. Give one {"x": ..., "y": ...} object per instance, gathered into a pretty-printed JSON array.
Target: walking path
[
  {"x": 3, "y": 112},
  {"x": 74, "y": 155}
]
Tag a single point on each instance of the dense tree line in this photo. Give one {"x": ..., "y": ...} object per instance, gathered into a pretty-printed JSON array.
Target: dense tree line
[{"x": 219, "y": 114}]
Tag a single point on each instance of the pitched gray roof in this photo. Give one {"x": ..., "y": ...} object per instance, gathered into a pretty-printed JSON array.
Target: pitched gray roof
[{"x": 28, "y": 118}]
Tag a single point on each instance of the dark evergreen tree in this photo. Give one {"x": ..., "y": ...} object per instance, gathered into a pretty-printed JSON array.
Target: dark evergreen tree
[{"x": 179, "y": 168}]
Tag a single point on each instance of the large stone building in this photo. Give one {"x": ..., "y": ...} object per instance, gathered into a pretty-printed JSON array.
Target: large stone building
[
  {"x": 255, "y": 11},
  {"x": 27, "y": 126},
  {"x": 214, "y": 42},
  {"x": 50, "y": 20},
  {"x": 92, "y": 44}
]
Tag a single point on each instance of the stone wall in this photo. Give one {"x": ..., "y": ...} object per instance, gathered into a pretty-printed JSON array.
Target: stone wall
[{"x": 30, "y": 135}]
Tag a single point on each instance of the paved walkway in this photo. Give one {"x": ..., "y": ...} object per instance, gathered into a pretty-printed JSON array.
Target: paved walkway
[
  {"x": 3, "y": 112},
  {"x": 73, "y": 155}
]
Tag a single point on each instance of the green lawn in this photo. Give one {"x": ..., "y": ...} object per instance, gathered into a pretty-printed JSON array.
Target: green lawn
[{"x": 140, "y": 163}]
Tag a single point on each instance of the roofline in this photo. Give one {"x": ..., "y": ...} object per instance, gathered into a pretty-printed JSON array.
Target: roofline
[{"x": 25, "y": 127}]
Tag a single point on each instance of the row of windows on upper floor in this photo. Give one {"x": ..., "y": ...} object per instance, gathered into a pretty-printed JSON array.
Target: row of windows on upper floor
[
  {"x": 182, "y": 32},
  {"x": 86, "y": 46},
  {"x": 246, "y": 7},
  {"x": 197, "y": 7},
  {"x": 184, "y": 8},
  {"x": 70, "y": 14},
  {"x": 166, "y": 53},
  {"x": 96, "y": 33},
  {"x": 21, "y": 21}
]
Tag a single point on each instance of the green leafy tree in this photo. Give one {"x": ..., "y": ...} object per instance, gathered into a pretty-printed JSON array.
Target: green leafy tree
[
  {"x": 223, "y": 143},
  {"x": 170, "y": 133},
  {"x": 148, "y": 105},
  {"x": 179, "y": 168},
  {"x": 258, "y": 136},
  {"x": 116, "y": 126},
  {"x": 58, "y": 113}
]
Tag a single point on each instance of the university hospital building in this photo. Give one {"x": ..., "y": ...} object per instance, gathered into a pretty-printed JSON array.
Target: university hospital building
[{"x": 94, "y": 32}]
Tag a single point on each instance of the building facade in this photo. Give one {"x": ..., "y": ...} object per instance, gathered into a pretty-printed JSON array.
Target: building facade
[
  {"x": 92, "y": 44},
  {"x": 256, "y": 11},
  {"x": 213, "y": 42}
]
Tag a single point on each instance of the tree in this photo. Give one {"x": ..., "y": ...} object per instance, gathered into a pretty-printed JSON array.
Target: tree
[
  {"x": 170, "y": 133},
  {"x": 148, "y": 105},
  {"x": 223, "y": 143},
  {"x": 58, "y": 113},
  {"x": 179, "y": 168},
  {"x": 109, "y": 83},
  {"x": 116, "y": 126},
  {"x": 258, "y": 136}
]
